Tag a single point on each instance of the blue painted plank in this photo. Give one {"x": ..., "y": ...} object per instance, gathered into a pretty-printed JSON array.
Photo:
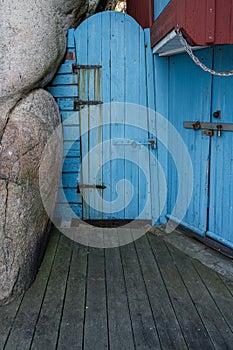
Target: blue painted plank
[
  {"x": 106, "y": 97},
  {"x": 71, "y": 133},
  {"x": 66, "y": 104},
  {"x": 70, "y": 149},
  {"x": 68, "y": 195},
  {"x": 66, "y": 67},
  {"x": 64, "y": 90},
  {"x": 94, "y": 38},
  {"x": 65, "y": 79},
  {"x": 71, "y": 164},
  {"x": 70, "y": 117},
  {"x": 117, "y": 49},
  {"x": 70, "y": 38},
  {"x": 132, "y": 95},
  {"x": 153, "y": 161},
  {"x": 69, "y": 180},
  {"x": 161, "y": 79},
  {"x": 190, "y": 99},
  {"x": 221, "y": 169}
]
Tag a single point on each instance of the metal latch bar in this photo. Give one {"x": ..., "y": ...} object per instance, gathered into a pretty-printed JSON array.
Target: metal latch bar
[
  {"x": 210, "y": 126},
  {"x": 135, "y": 143}
]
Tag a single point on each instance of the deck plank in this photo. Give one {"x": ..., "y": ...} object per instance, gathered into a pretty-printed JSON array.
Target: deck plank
[
  {"x": 23, "y": 328},
  {"x": 95, "y": 327},
  {"x": 47, "y": 328},
  {"x": 145, "y": 332},
  {"x": 216, "y": 326},
  {"x": 168, "y": 327},
  {"x": 194, "y": 332},
  {"x": 7, "y": 316},
  {"x": 218, "y": 290},
  {"x": 142, "y": 295},
  {"x": 120, "y": 326},
  {"x": 71, "y": 329}
]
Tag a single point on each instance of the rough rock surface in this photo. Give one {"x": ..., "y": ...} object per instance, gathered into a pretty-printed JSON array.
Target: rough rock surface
[
  {"x": 23, "y": 219},
  {"x": 32, "y": 46}
]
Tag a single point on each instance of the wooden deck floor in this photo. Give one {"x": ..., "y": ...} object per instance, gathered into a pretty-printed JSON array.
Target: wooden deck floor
[{"x": 145, "y": 295}]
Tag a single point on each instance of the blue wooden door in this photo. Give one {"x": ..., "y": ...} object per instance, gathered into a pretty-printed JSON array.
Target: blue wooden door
[
  {"x": 189, "y": 99},
  {"x": 195, "y": 95},
  {"x": 113, "y": 54},
  {"x": 220, "y": 225}
]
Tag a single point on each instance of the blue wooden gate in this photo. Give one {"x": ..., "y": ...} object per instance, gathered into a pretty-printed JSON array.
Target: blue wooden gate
[
  {"x": 108, "y": 80},
  {"x": 194, "y": 96}
]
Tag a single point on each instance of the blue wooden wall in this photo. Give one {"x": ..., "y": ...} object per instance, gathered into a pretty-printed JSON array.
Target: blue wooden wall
[
  {"x": 64, "y": 88},
  {"x": 159, "y": 6},
  {"x": 184, "y": 92}
]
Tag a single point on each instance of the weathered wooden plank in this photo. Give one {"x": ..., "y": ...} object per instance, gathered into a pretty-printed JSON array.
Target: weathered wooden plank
[
  {"x": 66, "y": 67},
  {"x": 66, "y": 104},
  {"x": 68, "y": 194},
  {"x": 194, "y": 332},
  {"x": 169, "y": 331},
  {"x": 7, "y": 317},
  {"x": 132, "y": 95},
  {"x": 48, "y": 324},
  {"x": 69, "y": 180},
  {"x": 217, "y": 328},
  {"x": 143, "y": 323},
  {"x": 65, "y": 79},
  {"x": 71, "y": 164},
  {"x": 71, "y": 329},
  {"x": 71, "y": 149},
  {"x": 95, "y": 328},
  {"x": 106, "y": 96},
  {"x": 218, "y": 290},
  {"x": 117, "y": 79},
  {"x": 119, "y": 322},
  {"x": 24, "y": 324},
  {"x": 71, "y": 132}
]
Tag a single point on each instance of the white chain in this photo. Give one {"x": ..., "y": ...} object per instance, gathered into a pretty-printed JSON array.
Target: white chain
[{"x": 188, "y": 49}]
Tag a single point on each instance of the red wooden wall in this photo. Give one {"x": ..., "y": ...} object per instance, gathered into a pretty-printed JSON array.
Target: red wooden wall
[
  {"x": 142, "y": 11},
  {"x": 204, "y": 22}
]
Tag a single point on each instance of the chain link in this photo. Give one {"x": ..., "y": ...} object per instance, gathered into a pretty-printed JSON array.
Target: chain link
[{"x": 188, "y": 49}]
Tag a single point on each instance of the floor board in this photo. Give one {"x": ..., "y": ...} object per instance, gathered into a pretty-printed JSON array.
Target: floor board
[{"x": 139, "y": 296}]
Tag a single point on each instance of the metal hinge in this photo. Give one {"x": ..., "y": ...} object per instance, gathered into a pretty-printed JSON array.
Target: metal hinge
[
  {"x": 77, "y": 67},
  {"x": 80, "y": 186},
  {"x": 79, "y": 103}
]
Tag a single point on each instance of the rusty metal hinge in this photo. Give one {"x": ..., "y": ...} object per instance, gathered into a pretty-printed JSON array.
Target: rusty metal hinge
[
  {"x": 79, "y": 103},
  {"x": 80, "y": 186},
  {"x": 77, "y": 67}
]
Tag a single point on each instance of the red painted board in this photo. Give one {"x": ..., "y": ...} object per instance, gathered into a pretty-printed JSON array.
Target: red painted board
[
  {"x": 141, "y": 11},
  {"x": 206, "y": 22}
]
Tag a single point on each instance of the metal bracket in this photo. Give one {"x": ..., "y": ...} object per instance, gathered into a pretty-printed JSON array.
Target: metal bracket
[{"x": 80, "y": 186}]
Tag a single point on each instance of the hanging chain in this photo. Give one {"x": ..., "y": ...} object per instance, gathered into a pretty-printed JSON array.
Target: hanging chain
[{"x": 188, "y": 49}]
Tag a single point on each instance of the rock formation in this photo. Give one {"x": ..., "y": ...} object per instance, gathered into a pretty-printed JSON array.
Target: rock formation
[{"x": 32, "y": 46}]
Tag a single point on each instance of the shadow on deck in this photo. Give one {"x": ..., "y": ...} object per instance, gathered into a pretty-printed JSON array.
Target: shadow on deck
[{"x": 145, "y": 295}]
